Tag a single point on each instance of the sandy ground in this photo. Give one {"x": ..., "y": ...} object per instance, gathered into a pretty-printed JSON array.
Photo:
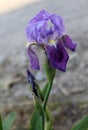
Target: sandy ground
[{"x": 8, "y": 5}]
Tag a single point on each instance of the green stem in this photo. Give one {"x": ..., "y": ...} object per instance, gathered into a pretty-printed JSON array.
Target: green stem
[
  {"x": 43, "y": 123},
  {"x": 47, "y": 94}
]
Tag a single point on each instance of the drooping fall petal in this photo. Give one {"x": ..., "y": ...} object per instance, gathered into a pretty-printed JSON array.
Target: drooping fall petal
[
  {"x": 68, "y": 43},
  {"x": 57, "y": 56},
  {"x": 33, "y": 59}
]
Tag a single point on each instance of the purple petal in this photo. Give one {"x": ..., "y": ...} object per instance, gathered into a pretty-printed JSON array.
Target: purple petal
[
  {"x": 37, "y": 32},
  {"x": 33, "y": 59},
  {"x": 38, "y": 29},
  {"x": 58, "y": 24},
  {"x": 42, "y": 15},
  {"x": 68, "y": 43},
  {"x": 57, "y": 56}
]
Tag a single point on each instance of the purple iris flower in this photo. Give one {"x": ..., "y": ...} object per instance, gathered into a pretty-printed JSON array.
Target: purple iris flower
[
  {"x": 48, "y": 31},
  {"x": 31, "y": 80}
]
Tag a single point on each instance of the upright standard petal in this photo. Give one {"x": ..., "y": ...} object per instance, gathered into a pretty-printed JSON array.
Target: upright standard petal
[
  {"x": 57, "y": 56},
  {"x": 43, "y": 25},
  {"x": 42, "y": 15},
  {"x": 31, "y": 80},
  {"x": 36, "y": 29},
  {"x": 33, "y": 59},
  {"x": 36, "y": 32},
  {"x": 58, "y": 24},
  {"x": 68, "y": 43}
]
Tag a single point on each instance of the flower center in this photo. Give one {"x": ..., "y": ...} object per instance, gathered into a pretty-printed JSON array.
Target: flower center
[{"x": 52, "y": 42}]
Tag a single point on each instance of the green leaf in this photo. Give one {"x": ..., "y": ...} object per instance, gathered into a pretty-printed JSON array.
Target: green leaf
[
  {"x": 82, "y": 124},
  {"x": 48, "y": 123},
  {"x": 1, "y": 124},
  {"x": 36, "y": 121},
  {"x": 44, "y": 89},
  {"x": 8, "y": 121},
  {"x": 39, "y": 108},
  {"x": 39, "y": 92}
]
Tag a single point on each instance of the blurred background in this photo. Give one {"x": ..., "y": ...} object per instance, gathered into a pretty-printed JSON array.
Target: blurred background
[{"x": 69, "y": 97}]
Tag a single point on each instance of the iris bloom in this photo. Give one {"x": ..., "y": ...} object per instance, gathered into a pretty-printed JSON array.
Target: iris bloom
[
  {"x": 31, "y": 80},
  {"x": 48, "y": 31}
]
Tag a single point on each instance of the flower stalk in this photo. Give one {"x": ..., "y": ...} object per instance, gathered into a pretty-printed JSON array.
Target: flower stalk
[
  {"x": 47, "y": 95},
  {"x": 46, "y": 31}
]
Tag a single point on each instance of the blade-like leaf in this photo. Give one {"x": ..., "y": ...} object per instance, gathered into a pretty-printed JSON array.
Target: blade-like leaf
[
  {"x": 48, "y": 123},
  {"x": 1, "y": 124},
  {"x": 82, "y": 124},
  {"x": 44, "y": 89},
  {"x": 8, "y": 121},
  {"x": 36, "y": 121}
]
